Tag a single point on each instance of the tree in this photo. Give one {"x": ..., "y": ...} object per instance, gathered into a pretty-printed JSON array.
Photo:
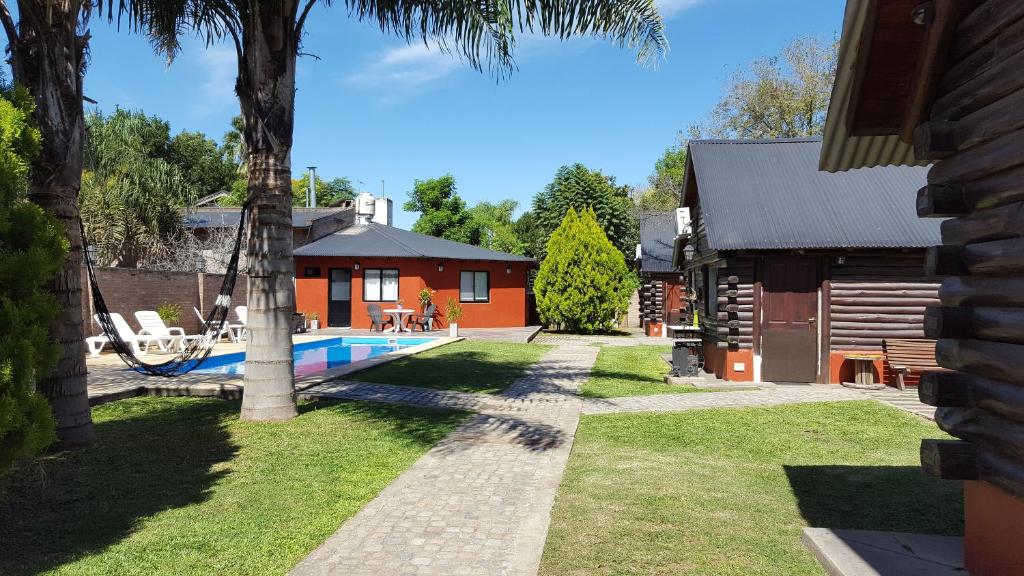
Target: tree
[
  {"x": 207, "y": 167},
  {"x": 32, "y": 249},
  {"x": 665, "y": 185},
  {"x": 131, "y": 191},
  {"x": 47, "y": 48},
  {"x": 583, "y": 284},
  {"x": 529, "y": 234},
  {"x": 496, "y": 226},
  {"x": 266, "y": 37},
  {"x": 778, "y": 97},
  {"x": 578, "y": 187},
  {"x": 328, "y": 192},
  {"x": 442, "y": 212}
]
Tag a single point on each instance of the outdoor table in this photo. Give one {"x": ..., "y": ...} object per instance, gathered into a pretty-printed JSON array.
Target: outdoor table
[
  {"x": 398, "y": 316},
  {"x": 863, "y": 368}
]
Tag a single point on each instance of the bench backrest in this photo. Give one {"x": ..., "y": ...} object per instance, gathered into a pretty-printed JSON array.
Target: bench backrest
[{"x": 910, "y": 353}]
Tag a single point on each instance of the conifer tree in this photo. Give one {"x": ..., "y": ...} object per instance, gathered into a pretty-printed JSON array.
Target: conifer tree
[
  {"x": 583, "y": 283},
  {"x": 32, "y": 249}
]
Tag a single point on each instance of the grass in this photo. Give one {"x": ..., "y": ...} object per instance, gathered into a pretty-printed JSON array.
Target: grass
[
  {"x": 464, "y": 366},
  {"x": 181, "y": 486},
  {"x": 726, "y": 492},
  {"x": 630, "y": 371}
]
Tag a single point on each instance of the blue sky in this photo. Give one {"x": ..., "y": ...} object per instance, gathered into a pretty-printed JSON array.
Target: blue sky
[{"x": 373, "y": 108}]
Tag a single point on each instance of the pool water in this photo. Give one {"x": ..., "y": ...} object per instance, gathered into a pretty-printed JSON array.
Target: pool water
[{"x": 313, "y": 357}]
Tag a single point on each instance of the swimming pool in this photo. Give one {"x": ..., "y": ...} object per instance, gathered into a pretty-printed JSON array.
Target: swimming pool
[{"x": 313, "y": 357}]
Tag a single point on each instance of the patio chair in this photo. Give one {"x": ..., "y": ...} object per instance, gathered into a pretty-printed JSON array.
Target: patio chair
[
  {"x": 140, "y": 343},
  {"x": 243, "y": 318},
  {"x": 225, "y": 330},
  {"x": 153, "y": 325},
  {"x": 377, "y": 319},
  {"x": 425, "y": 321}
]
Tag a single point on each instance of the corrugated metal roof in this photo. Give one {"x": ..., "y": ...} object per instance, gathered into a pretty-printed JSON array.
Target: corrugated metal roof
[
  {"x": 377, "y": 240},
  {"x": 841, "y": 150},
  {"x": 657, "y": 237},
  {"x": 228, "y": 217},
  {"x": 769, "y": 194}
]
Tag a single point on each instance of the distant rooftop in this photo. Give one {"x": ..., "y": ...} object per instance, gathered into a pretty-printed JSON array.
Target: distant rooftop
[
  {"x": 657, "y": 238},
  {"x": 377, "y": 240},
  {"x": 227, "y": 217}
]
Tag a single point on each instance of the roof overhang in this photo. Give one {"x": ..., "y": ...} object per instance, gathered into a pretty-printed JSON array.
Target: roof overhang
[{"x": 890, "y": 55}]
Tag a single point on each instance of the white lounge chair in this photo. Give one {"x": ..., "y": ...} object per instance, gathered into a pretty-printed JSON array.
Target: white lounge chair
[
  {"x": 243, "y": 316},
  {"x": 140, "y": 343},
  {"x": 225, "y": 330},
  {"x": 153, "y": 325}
]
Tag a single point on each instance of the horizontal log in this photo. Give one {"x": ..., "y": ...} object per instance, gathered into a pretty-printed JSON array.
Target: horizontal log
[
  {"x": 999, "y": 223},
  {"x": 842, "y": 309},
  {"x": 739, "y": 308},
  {"x": 733, "y": 345},
  {"x": 984, "y": 429},
  {"x": 856, "y": 347},
  {"x": 961, "y": 390},
  {"x": 996, "y": 360},
  {"x": 989, "y": 158},
  {"x": 896, "y": 271},
  {"x": 980, "y": 291},
  {"x": 733, "y": 331},
  {"x": 729, "y": 293},
  {"x": 736, "y": 300},
  {"x": 949, "y": 459},
  {"x": 909, "y": 334},
  {"x": 981, "y": 323},
  {"x": 995, "y": 258},
  {"x": 959, "y": 198},
  {"x": 982, "y": 90},
  {"x": 879, "y": 326},
  {"x": 895, "y": 293},
  {"x": 990, "y": 122},
  {"x": 726, "y": 280},
  {"x": 930, "y": 285},
  {"x": 878, "y": 318},
  {"x": 746, "y": 316},
  {"x": 891, "y": 302},
  {"x": 983, "y": 25},
  {"x": 848, "y": 341}
]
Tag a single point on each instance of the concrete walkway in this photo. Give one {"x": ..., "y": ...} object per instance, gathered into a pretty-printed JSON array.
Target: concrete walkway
[{"x": 479, "y": 502}]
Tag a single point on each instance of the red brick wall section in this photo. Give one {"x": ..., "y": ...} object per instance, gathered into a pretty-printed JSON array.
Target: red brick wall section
[{"x": 127, "y": 290}]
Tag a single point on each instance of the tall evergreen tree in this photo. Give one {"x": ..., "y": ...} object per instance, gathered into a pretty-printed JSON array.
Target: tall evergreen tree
[
  {"x": 583, "y": 284},
  {"x": 32, "y": 249}
]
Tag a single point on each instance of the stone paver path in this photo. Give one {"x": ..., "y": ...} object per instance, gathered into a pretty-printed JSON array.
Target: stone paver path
[
  {"x": 694, "y": 401},
  {"x": 904, "y": 400},
  {"x": 479, "y": 502}
]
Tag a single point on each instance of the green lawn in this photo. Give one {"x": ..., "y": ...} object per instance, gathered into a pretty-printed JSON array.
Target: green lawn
[
  {"x": 465, "y": 366},
  {"x": 181, "y": 486},
  {"x": 630, "y": 371},
  {"x": 726, "y": 492}
]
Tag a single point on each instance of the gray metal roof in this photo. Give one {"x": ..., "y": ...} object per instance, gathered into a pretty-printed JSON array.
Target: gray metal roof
[
  {"x": 377, "y": 240},
  {"x": 228, "y": 217},
  {"x": 657, "y": 237},
  {"x": 769, "y": 194}
]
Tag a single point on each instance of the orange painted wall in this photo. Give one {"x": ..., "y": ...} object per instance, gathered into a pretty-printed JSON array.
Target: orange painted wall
[
  {"x": 506, "y": 308},
  {"x": 993, "y": 524},
  {"x": 720, "y": 361}
]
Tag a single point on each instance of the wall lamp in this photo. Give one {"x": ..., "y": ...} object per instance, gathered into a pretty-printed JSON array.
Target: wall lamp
[
  {"x": 356, "y": 266},
  {"x": 508, "y": 269},
  {"x": 440, "y": 266}
]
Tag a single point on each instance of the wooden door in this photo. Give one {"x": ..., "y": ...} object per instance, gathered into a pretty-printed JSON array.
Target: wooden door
[
  {"x": 339, "y": 298},
  {"x": 789, "y": 326}
]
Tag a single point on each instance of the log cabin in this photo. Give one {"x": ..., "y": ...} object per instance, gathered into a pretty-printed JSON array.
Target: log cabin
[
  {"x": 941, "y": 83},
  {"x": 662, "y": 290},
  {"x": 796, "y": 270}
]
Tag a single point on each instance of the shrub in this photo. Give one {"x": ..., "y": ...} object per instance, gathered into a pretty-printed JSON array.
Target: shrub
[
  {"x": 32, "y": 249},
  {"x": 583, "y": 283},
  {"x": 454, "y": 310},
  {"x": 169, "y": 312}
]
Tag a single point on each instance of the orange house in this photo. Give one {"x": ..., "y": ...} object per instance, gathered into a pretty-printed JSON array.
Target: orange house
[{"x": 341, "y": 274}]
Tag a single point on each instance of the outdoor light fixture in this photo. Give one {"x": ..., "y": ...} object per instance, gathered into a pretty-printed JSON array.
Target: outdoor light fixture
[
  {"x": 508, "y": 269},
  {"x": 688, "y": 252},
  {"x": 200, "y": 263},
  {"x": 356, "y": 266},
  {"x": 840, "y": 260},
  {"x": 440, "y": 266}
]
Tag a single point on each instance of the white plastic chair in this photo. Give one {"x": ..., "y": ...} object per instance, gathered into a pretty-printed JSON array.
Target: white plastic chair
[
  {"x": 225, "y": 330},
  {"x": 153, "y": 325},
  {"x": 140, "y": 343}
]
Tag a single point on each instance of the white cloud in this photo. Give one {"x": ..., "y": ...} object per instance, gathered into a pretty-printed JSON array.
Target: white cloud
[
  {"x": 670, "y": 8},
  {"x": 218, "y": 68},
  {"x": 405, "y": 69}
]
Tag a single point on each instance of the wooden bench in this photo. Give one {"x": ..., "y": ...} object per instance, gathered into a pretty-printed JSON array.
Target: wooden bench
[{"x": 906, "y": 356}]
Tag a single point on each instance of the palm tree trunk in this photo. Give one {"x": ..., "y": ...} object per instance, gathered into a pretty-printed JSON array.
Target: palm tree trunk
[
  {"x": 48, "y": 58},
  {"x": 266, "y": 91}
]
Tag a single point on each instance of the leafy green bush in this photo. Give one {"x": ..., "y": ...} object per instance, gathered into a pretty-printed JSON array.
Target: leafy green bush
[
  {"x": 583, "y": 283},
  {"x": 32, "y": 249},
  {"x": 169, "y": 312}
]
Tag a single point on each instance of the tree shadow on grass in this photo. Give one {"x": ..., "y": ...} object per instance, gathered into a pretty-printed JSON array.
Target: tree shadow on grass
[
  {"x": 465, "y": 371},
  {"x": 425, "y": 426},
  {"x": 148, "y": 459},
  {"x": 889, "y": 498}
]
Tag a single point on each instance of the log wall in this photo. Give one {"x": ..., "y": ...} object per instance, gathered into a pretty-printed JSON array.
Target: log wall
[
  {"x": 976, "y": 131},
  {"x": 732, "y": 325}
]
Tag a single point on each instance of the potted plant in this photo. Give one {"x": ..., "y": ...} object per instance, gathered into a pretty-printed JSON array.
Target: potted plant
[
  {"x": 454, "y": 314},
  {"x": 314, "y": 320},
  {"x": 169, "y": 312},
  {"x": 426, "y": 297}
]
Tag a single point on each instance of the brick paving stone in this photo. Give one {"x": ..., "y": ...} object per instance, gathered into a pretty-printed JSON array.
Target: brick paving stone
[
  {"x": 479, "y": 502},
  {"x": 904, "y": 400}
]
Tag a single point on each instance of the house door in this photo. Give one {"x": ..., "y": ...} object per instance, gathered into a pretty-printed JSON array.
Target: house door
[
  {"x": 789, "y": 324},
  {"x": 339, "y": 298}
]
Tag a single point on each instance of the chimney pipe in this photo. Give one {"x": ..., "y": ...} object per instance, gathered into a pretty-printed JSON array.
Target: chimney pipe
[{"x": 311, "y": 196}]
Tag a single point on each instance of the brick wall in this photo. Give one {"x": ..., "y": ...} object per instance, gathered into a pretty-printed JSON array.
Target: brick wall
[{"x": 127, "y": 290}]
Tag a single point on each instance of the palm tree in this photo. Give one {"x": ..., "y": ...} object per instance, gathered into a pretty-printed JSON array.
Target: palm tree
[
  {"x": 266, "y": 36},
  {"x": 47, "y": 56}
]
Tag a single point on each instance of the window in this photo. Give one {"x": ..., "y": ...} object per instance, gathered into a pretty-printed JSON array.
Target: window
[
  {"x": 380, "y": 285},
  {"x": 311, "y": 272},
  {"x": 474, "y": 286}
]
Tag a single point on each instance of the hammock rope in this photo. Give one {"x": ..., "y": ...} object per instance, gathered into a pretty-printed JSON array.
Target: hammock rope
[{"x": 196, "y": 350}]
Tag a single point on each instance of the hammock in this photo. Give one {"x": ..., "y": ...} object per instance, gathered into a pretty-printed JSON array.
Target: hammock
[{"x": 197, "y": 350}]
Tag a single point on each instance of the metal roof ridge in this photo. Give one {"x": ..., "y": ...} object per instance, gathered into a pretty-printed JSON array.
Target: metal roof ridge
[{"x": 380, "y": 230}]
